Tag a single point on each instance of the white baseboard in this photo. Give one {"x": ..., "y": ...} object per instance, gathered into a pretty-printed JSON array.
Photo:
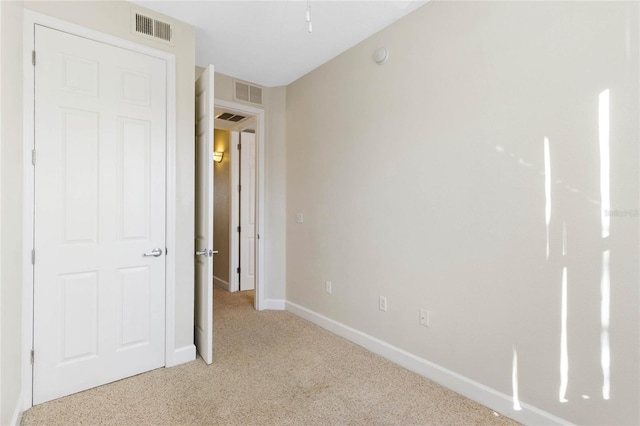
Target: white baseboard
[
  {"x": 491, "y": 398},
  {"x": 275, "y": 304},
  {"x": 16, "y": 418},
  {"x": 221, "y": 283},
  {"x": 182, "y": 355}
]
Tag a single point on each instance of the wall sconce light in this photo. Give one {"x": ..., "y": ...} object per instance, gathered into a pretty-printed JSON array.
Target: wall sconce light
[{"x": 217, "y": 156}]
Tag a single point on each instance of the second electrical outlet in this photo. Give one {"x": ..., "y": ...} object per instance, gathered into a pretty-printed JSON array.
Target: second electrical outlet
[
  {"x": 383, "y": 304},
  {"x": 424, "y": 317},
  {"x": 327, "y": 286}
]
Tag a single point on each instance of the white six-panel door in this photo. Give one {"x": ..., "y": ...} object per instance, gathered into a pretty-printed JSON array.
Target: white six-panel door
[
  {"x": 99, "y": 302},
  {"x": 248, "y": 211}
]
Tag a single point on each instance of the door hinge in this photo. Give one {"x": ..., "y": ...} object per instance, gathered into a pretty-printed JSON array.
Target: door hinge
[
  {"x": 33, "y": 256},
  {"x": 33, "y": 157},
  {"x": 238, "y": 270},
  {"x": 238, "y": 229},
  {"x": 33, "y": 356},
  {"x": 239, "y": 146},
  {"x": 239, "y": 188},
  {"x": 33, "y": 57}
]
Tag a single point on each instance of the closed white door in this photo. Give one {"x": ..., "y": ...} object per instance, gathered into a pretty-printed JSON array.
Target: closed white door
[
  {"x": 247, "y": 211},
  {"x": 204, "y": 216},
  {"x": 99, "y": 271}
]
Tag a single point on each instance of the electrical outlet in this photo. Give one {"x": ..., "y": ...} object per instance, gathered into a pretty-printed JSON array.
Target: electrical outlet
[
  {"x": 424, "y": 317},
  {"x": 299, "y": 217},
  {"x": 382, "y": 304},
  {"x": 327, "y": 286}
]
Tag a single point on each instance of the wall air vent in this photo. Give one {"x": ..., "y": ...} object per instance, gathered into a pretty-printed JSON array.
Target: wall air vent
[
  {"x": 151, "y": 28},
  {"x": 246, "y": 92}
]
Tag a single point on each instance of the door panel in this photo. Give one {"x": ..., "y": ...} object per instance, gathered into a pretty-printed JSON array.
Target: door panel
[
  {"x": 79, "y": 140},
  {"x": 134, "y": 143},
  {"x": 79, "y": 331},
  {"x": 99, "y": 303},
  {"x": 248, "y": 211},
  {"x": 204, "y": 216},
  {"x": 134, "y": 288}
]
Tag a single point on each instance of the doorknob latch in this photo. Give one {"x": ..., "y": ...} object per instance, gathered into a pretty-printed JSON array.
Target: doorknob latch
[
  {"x": 206, "y": 253},
  {"x": 156, "y": 252}
]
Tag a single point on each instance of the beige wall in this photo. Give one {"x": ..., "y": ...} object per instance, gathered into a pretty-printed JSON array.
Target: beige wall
[
  {"x": 221, "y": 205},
  {"x": 223, "y": 86},
  {"x": 11, "y": 210},
  {"x": 423, "y": 180},
  {"x": 275, "y": 188}
]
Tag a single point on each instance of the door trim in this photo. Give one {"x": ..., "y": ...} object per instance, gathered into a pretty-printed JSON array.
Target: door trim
[
  {"x": 261, "y": 282},
  {"x": 31, "y": 19}
]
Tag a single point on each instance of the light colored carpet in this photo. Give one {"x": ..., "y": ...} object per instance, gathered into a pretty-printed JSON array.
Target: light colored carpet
[{"x": 270, "y": 368}]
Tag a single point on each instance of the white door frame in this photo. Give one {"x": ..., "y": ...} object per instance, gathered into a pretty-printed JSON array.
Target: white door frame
[
  {"x": 32, "y": 18},
  {"x": 261, "y": 236}
]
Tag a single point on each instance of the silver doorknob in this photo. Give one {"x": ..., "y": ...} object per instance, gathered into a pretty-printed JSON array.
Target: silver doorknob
[
  {"x": 206, "y": 253},
  {"x": 156, "y": 252}
]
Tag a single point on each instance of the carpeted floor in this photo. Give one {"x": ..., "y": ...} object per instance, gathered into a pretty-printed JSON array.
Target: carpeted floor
[{"x": 270, "y": 368}]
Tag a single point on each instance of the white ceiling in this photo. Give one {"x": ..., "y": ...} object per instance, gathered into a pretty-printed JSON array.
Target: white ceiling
[{"x": 268, "y": 43}]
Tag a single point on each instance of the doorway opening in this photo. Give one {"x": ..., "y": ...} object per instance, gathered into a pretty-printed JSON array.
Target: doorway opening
[{"x": 238, "y": 200}]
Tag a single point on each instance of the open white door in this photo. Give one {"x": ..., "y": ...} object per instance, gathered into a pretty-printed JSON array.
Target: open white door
[
  {"x": 247, "y": 211},
  {"x": 204, "y": 216}
]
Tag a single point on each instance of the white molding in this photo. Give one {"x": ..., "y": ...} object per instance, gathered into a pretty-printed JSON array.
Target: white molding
[
  {"x": 183, "y": 355},
  {"x": 28, "y": 73},
  {"x": 220, "y": 283},
  {"x": 16, "y": 418},
  {"x": 275, "y": 304},
  {"x": 1, "y": 119},
  {"x": 261, "y": 281},
  {"x": 32, "y": 18},
  {"x": 261, "y": 229},
  {"x": 491, "y": 398},
  {"x": 170, "y": 211}
]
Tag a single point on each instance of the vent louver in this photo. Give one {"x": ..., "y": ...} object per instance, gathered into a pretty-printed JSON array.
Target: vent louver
[
  {"x": 248, "y": 93},
  {"x": 255, "y": 95},
  {"x": 162, "y": 30},
  {"x": 230, "y": 117},
  {"x": 152, "y": 28},
  {"x": 144, "y": 24}
]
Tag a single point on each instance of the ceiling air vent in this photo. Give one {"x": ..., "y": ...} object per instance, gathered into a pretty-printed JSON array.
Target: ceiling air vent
[
  {"x": 230, "y": 117},
  {"x": 151, "y": 28},
  {"x": 248, "y": 93}
]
